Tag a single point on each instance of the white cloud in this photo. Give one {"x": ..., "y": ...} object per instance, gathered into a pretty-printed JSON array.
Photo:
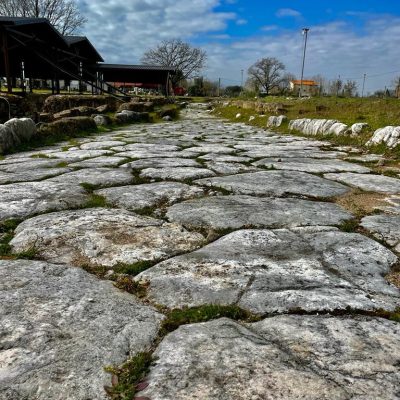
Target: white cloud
[
  {"x": 269, "y": 28},
  {"x": 241, "y": 21},
  {"x": 123, "y": 29},
  {"x": 287, "y": 12}
]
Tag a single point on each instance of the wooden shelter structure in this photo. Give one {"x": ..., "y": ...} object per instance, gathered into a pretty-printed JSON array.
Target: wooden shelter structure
[{"x": 32, "y": 48}]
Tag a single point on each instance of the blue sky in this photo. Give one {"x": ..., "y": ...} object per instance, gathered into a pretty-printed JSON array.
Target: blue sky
[{"x": 347, "y": 38}]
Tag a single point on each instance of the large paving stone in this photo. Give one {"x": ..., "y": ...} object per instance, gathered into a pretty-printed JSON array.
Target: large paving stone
[
  {"x": 78, "y": 155},
  {"x": 99, "y": 236},
  {"x": 31, "y": 175},
  {"x": 104, "y": 144},
  {"x": 21, "y": 200},
  {"x": 370, "y": 182},
  {"x": 235, "y": 212},
  {"x": 17, "y": 166},
  {"x": 276, "y": 183},
  {"x": 384, "y": 227},
  {"x": 60, "y": 327},
  {"x": 279, "y": 358},
  {"x": 96, "y": 176},
  {"x": 98, "y": 162},
  {"x": 176, "y": 173},
  {"x": 267, "y": 271},
  {"x": 229, "y": 168},
  {"x": 135, "y": 197},
  {"x": 311, "y": 165},
  {"x": 161, "y": 163}
]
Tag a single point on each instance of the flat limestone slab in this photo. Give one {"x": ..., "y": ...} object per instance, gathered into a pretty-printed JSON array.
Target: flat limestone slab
[
  {"x": 98, "y": 162},
  {"x": 277, "y": 183},
  {"x": 229, "y": 168},
  {"x": 99, "y": 236},
  {"x": 236, "y": 212},
  {"x": 96, "y": 176},
  {"x": 384, "y": 227},
  {"x": 161, "y": 163},
  {"x": 21, "y": 200},
  {"x": 279, "y": 358},
  {"x": 104, "y": 144},
  {"x": 27, "y": 165},
  {"x": 31, "y": 175},
  {"x": 370, "y": 182},
  {"x": 61, "y": 326},
  {"x": 176, "y": 173},
  {"x": 267, "y": 271},
  {"x": 78, "y": 155},
  {"x": 311, "y": 165},
  {"x": 136, "y": 197}
]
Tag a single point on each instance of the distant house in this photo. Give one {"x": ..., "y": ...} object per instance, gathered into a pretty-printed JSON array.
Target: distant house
[{"x": 310, "y": 87}]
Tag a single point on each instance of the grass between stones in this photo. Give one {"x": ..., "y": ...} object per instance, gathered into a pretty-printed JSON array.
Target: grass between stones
[{"x": 127, "y": 378}]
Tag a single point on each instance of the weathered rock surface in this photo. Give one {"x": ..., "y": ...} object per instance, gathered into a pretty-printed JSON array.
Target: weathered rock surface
[
  {"x": 367, "y": 182},
  {"x": 102, "y": 120},
  {"x": 318, "y": 126},
  {"x": 60, "y": 327},
  {"x": 96, "y": 176},
  {"x": 276, "y": 121},
  {"x": 78, "y": 155},
  {"x": 99, "y": 236},
  {"x": 279, "y": 358},
  {"x": 359, "y": 128},
  {"x": 311, "y": 165},
  {"x": 21, "y": 200},
  {"x": 104, "y": 144},
  {"x": 99, "y": 162},
  {"x": 7, "y": 139},
  {"x": 176, "y": 173},
  {"x": 235, "y": 212},
  {"x": 267, "y": 271},
  {"x": 136, "y": 197},
  {"x": 161, "y": 163},
  {"x": 23, "y": 128},
  {"x": 384, "y": 227},
  {"x": 276, "y": 183},
  {"x": 31, "y": 175},
  {"x": 389, "y": 135}
]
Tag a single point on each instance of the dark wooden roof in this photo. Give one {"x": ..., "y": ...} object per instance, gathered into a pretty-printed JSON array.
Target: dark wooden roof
[
  {"x": 82, "y": 46},
  {"x": 135, "y": 73}
]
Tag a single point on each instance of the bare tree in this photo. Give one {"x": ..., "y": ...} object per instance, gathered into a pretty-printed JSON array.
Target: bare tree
[
  {"x": 62, "y": 14},
  {"x": 266, "y": 73},
  {"x": 335, "y": 87},
  {"x": 350, "y": 88},
  {"x": 175, "y": 53},
  {"x": 285, "y": 82}
]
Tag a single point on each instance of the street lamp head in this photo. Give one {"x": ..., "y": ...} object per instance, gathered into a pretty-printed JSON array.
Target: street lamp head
[{"x": 305, "y": 30}]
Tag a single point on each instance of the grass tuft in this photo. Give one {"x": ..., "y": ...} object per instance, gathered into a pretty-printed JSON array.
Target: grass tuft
[
  {"x": 95, "y": 200},
  {"x": 349, "y": 225},
  {"x": 135, "y": 268},
  {"x": 128, "y": 376},
  {"x": 177, "y": 317}
]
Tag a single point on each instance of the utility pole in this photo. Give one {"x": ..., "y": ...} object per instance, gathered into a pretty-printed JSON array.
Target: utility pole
[
  {"x": 305, "y": 33},
  {"x": 337, "y": 87},
  {"x": 219, "y": 87},
  {"x": 362, "y": 93}
]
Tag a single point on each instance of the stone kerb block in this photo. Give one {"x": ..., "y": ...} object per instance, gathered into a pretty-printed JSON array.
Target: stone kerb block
[
  {"x": 319, "y": 127},
  {"x": 389, "y": 135},
  {"x": 276, "y": 121}
]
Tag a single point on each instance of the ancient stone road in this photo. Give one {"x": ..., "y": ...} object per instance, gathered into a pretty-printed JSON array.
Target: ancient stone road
[{"x": 229, "y": 215}]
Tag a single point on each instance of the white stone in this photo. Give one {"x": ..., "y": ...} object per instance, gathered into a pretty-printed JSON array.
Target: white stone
[{"x": 389, "y": 135}]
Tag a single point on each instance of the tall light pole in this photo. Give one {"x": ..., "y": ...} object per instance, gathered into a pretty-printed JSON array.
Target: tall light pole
[
  {"x": 305, "y": 34},
  {"x": 363, "y": 86}
]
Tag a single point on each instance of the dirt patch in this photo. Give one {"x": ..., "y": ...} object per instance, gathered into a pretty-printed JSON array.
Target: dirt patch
[{"x": 361, "y": 203}]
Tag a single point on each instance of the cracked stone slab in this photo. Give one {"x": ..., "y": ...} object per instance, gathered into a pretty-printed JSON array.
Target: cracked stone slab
[
  {"x": 150, "y": 147},
  {"x": 79, "y": 155},
  {"x": 279, "y": 358},
  {"x": 369, "y": 182},
  {"x": 61, "y": 326},
  {"x": 31, "y": 175},
  {"x": 212, "y": 148},
  {"x": 312, "y": 269},
  {"x": 161, "y": 163},
  {"x": 235, "y": 212},
  {"x": 176, "y": 173},
  {"x": 96, "y": 176},
  {"x": 367, "y": 158},
  {"x": 290, "y": 151},
  {"x": 229, "y": 168},
  {"x": 136, "y": 197},
  {"x": 99, "y": 162},
  {"x": 223, "y": 158},
  {"x": 277, "y": 183},
  {"x": 138, "y": 154},
  {"x": 311, "y": 165},
  {"x": 384, "y": 227},
  {"x": 21, "y": 200},
  {"x": 105, "y": 144},
  {"x": 99, "y": 236},
  {"x": 28, "y": 165}
]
